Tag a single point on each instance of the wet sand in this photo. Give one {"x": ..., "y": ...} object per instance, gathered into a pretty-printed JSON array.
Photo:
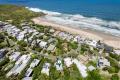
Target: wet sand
[{"x": 96, "y": 35}]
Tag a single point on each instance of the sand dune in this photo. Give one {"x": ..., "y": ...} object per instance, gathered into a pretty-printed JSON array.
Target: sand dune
[{"x": 106, "y": 38}]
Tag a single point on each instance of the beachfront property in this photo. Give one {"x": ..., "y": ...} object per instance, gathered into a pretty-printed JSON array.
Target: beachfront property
[
  {"x": 65, "y": 36},
  {"x": 20, "y": 64},
  {"x": 116, "y": 51},
  {"x": 79, "y": 39},
  {"x": 50, "y": 46},
  {"x": 56, "y": 33},
  {"x": 46, "y": 68},
  {"x": 91, "y": 42},
  {"x": 51, "y": 30}
]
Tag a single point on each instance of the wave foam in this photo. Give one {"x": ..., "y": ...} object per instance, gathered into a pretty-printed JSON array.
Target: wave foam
[{"x": 79, "y": 21}]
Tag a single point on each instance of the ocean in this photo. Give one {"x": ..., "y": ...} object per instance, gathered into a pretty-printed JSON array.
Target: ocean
[{"x": 101, "y": 15}]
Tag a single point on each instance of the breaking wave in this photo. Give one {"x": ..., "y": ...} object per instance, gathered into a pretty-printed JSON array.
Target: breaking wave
[{"x": 79, "y": 21}]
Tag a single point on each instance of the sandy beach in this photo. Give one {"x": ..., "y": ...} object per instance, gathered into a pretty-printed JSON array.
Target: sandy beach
[{"x": 106, "y": 38}]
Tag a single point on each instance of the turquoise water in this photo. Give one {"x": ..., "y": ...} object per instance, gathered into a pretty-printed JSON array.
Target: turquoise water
[{"x": 104, "y": 9}]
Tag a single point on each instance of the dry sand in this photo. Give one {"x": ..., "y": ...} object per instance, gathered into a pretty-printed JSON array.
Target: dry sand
[{"x": 106, "y": 38}]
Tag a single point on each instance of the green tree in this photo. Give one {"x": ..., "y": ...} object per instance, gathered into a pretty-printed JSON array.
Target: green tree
[
  {"x": 22, "y": 43},
  {"x": 115, "y": 77},
  {"x": 94, "y": 75}
]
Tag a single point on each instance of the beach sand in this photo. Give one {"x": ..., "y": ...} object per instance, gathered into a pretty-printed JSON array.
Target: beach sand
[{"x": 96, "y": 35}]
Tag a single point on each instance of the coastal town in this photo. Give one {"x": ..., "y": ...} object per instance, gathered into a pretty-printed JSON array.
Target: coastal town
[{"x": 36, "y": 52}]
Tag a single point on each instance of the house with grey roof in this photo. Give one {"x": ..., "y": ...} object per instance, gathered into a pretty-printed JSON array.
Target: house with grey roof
[
  {"x": 14, "y": 56},
  {"x": 43, "y": 44},
  {"x": 20, "y": 64},
  {"x": 28, "y": 72},
  {"x": 34, "y": 63},
  {"x": 27, "y": 78}
]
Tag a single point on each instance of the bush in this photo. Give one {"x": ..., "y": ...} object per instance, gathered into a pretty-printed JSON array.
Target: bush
[
  {"x": 73, "y": 45},
  {"x": 66, "y": 74},
  {"x": 2, "y": 45},
  {"x": 105, "y": 68},
  {"x": 5, "y": 61},
  {"x": 22, "y": 48},
  {"x": 22, "y": 43},
  {"x": 111, "y": 70},
  {"x": 114, "y": 64},
  {"x": 84, "y": 48},
  {"x": 2, "y": 75},
  {"x": 43, "y": 77},
  {"x": 54, "y": 74},
  {"x": 1, "y": 37},
  {"x": 16, "y": 14},
  {"x": 38, "y": 49},
  {"x": 115, "y": 56},
  {"x": 94, "y": 75},
  {"x": 74, "y": 73},
  {"x": 37, "y": 70},
  {"x": 12, "y": 38},
  {"x": 115, "y": 77}
]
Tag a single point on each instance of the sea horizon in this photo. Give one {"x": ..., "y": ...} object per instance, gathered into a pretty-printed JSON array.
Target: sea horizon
[{"x": 101, "y": 16}]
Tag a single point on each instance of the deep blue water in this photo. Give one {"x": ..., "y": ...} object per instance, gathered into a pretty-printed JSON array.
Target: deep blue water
[{"x": 104, "y": 9}]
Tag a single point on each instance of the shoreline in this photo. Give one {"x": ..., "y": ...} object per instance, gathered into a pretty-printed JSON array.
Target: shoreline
[{"x": 96, "y": 35}]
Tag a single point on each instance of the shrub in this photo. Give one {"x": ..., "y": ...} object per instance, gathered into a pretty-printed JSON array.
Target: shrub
[
  {"x": 115, "y": 77},
  {"x": 114, "y": 64},
  {"x": 94, "y": 75},
  {"x": 5, "y": 61},
  {"x": 115, "y": 56},
  {"x": 22, "y": 43},
  {"x": 73, "y": 45},
  {"x": 111, "y": 70},
  {"x": 2, "y": 45},
  {"x": 16, "y": 14},
  {"x": 22, "y": 48}
]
